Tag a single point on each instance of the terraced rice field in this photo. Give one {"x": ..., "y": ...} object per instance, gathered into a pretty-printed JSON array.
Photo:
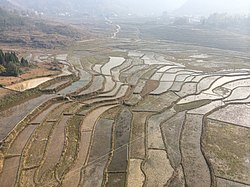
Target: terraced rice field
[{"x": 135, "y": 121}]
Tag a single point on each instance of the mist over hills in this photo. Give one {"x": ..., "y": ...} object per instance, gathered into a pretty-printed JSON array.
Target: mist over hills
[
  {"x": 51, "y": 6},
  {"x": 99, "y": 7},
  {"x": 132, "y": 7}
]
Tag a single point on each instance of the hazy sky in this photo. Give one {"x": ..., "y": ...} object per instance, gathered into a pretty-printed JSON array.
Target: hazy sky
[
  {"x": 152, "y": 6},
  {"x": 198, "y": 7},
  {"x": 210, "y": 6},
  {"x": 146, "y": 7},
  {"x": 158, "y": 5}
]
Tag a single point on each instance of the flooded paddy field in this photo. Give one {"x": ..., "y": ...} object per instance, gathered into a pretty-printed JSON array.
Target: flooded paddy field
[{"x": 134, "y": 113}]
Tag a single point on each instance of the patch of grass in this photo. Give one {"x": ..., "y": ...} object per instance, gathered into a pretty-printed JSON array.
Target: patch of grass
[
  {"x": 72, "y": 108},
  {"x": 227, "y": 148},
  {"x": 111, "y": 113},
  {"x": 98, "y": 59},
  {"x": 191, "y": 105},
  {"x": 71, "y": 146},
  {"x": 35, "y": 150},
  {"x": 119, "y": 54},
  {"x": 1, "y": 161},
  {"x": 18, "y": 98}
]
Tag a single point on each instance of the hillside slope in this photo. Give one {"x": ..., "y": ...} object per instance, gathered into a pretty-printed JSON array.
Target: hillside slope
[{"x": 26, "y": 31}]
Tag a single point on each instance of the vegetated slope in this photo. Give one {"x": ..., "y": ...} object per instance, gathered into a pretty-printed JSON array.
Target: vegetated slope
[{"x": 34, "y": 32}]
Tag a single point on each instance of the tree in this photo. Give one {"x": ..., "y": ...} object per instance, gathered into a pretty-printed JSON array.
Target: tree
[
  {"x": 24, "y": 62},
  {"x": 1, "y": 52},
  {"x": 12, "y": 69},
  {"x": 11, "y": 57},
  {"x": 2, "y": 69},
  {"x": 14, "y": 57},
  {"x": 1, "y": 57}
]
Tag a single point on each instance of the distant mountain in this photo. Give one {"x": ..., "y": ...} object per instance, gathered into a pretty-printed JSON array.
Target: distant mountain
[{"x": 206, "y": 7}]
